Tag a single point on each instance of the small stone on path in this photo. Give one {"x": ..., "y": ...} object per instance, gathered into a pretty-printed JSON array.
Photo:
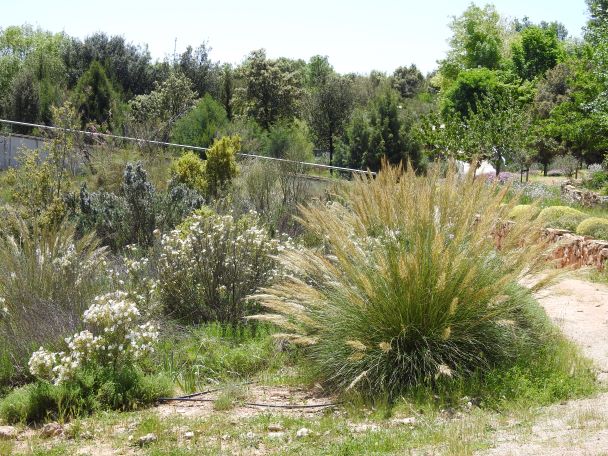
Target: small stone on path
[
  {"x": 303, "y": 432},
  {"x": 147, "y": 439},
  {"x": 8, "y": 432}
]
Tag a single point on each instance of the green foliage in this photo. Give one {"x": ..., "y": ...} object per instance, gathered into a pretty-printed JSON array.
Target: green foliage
[
  {"x": 125, "y": 389},
  {"x": 212, "y": 353},
  {"x": 106, "y": 214},
  {"x": 477, "y": 41},
  {"x": 62, "y": 275},
  {"x": 382, "y": 131},
  {"x": 131, "y": 216},
  {"x": 594, "y": 227},
  {"x": 596, "y": 180},
  {"x": 189, "y": 170},
  {"x": 470, "y": 87},
  {"x": 330, "y": 106},
  {"x": 407, "y": 81},
  {"x": 524, "y": 211},
  {"x": 153, "y": 115},
  {"x": 201, "y": 125},
  {"x": 537, "y": 51},
  {"x": 24, "y": 100},
  {"x": 270, "y": 91},
  {"x": 561, "y": 217},
  {"x": 139, "y": 195},
  {"x": 566, "y": 164},
  {"x": 220, "y": 166},
  {"x": 95, "y": 98},
  {"x": 210, "y": 265},
  {"x": 409, "y": 288}
]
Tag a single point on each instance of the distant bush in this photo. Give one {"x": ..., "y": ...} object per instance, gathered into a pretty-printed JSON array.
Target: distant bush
[
  {"x": 220, "y": 166},
  {"x": 561, "y": 217},
  {"x": 48, "y": 278},
  {"x": 189, "y": 170},
  {"x": 567, "y": 165},
  {"x": 409, "y": 288},
  {"x": 594, "y": 227},
  {"x": 201, "y": 125},
  {"x": 211, "y": 264},
  {"x": 598, "y": 178},
  {"x": 556, "y": 172},
  {"x": 132, "y": 217},
  {"x": 524, "y": 211}
]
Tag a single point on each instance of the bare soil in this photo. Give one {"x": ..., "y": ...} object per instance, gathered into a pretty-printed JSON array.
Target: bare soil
[{"x": 580, "y": 427}]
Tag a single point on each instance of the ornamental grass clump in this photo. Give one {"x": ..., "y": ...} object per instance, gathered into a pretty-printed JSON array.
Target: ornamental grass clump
[
  {"x": 409, "y": 287},
  {"x": 47, "y": 279}
]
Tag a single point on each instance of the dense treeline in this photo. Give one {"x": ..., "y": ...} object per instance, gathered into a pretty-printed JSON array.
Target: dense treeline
[{"x": 512, "y": 92}]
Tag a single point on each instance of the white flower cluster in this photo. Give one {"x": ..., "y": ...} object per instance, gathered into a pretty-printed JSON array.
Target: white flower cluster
[
  {"x": 111, "y": 311},
  {"x": 115, "y": 337},
  {"x": 42, "y": 362}
]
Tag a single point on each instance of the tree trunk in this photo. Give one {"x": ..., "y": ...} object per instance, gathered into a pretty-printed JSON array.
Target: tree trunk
[{"x": 545, "y": 169}]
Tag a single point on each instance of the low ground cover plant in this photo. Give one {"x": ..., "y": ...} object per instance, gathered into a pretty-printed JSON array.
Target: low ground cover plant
[
  {"x": 594, "y": 227},
  {"x": 562, "y": 217},
  {"x": 411, "y": 294}
]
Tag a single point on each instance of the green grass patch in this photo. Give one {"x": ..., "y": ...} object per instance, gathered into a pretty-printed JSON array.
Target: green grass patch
[{"x": 197, "y": 357}]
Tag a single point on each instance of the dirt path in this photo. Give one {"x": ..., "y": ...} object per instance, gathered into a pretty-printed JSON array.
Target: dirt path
[{"x": 580, "y": 309}]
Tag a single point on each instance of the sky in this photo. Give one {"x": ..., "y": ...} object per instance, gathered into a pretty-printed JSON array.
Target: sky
[{"x": 357, "y": 36}]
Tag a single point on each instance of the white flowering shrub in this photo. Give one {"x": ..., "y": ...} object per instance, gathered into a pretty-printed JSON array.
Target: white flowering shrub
[
  {"x": 113, "y": 338},
  {"x": 211, "y": 263}
]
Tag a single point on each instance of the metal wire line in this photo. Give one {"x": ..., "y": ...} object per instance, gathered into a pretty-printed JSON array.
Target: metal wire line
[{"x": 186, "y": 146}]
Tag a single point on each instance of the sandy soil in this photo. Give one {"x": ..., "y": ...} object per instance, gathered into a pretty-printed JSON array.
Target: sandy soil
[{"x": 580, "y": 309}]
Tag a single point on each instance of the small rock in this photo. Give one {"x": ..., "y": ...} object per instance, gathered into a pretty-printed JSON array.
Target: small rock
[
  {"x": 225, "y": 437},
  {"x": 359, "y": 428},
  {"x": 303, "y": 432},
  {"x": 51, "y": 430},
  {"x": 8, "y": 432},
  {"x": 250, "y": 435},
  {"x": 189, "y": 435},
  {"x": 275, "y": 427},
  {"x": 276, "y": 435},
  {"x": 147, "y": 439},
  {"x": 408, "y": 420}
]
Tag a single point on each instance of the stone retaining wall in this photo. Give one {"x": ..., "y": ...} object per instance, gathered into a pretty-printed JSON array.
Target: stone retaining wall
[{"x": 578, "y": 251}]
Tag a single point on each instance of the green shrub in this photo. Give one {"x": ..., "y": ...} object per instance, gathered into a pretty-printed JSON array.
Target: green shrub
[
  {"x": 597, "y": 180},
  {"x": 208, "y": 267},
  {"x": 124, "y": 389},
  {"x": 189, "y": 170},
  {"x": 201, "y": 125},
  {"x": 220, "y": 166},
  {"x": 595, "y": 227},
  {"x": 409, "y": 288},
  {"x": 48, "y": 278},
  {"x": 29, "y": 404},
  {"x": 524, "y": 211},
  {"x": 561, "y": 217}
]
